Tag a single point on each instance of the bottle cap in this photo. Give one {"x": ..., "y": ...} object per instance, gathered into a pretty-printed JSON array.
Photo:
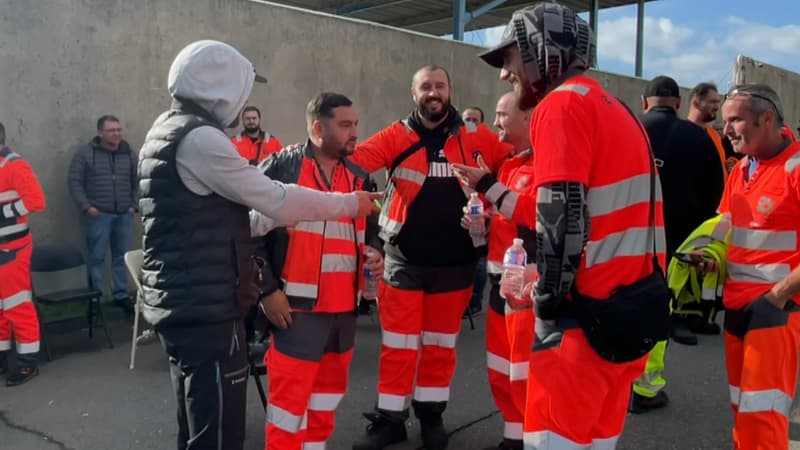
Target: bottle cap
[
  {"x": 518, "y": 242},
  {"x": 473, "y": 195}
]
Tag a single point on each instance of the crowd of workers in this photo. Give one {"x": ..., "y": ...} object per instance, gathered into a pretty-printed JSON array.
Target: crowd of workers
[{"x": 603, "y": 200}]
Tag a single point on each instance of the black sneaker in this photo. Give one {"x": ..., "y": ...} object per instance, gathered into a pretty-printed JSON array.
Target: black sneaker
[
  {"x": 508, "y": 444},
  {"x": 380, "y": 433},
  {"x": 640, "y": 404},
  {"x": 700, "y": 325},
  {"x": 125, "y": 305},
  {"x": 21, "y": 375},
  {"x": 680, "y": 333},
  {"x": 434, "y": 436}
]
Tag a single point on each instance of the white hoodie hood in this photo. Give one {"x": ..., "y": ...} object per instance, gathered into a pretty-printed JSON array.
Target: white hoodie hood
[{"x": 215, "y": 76}]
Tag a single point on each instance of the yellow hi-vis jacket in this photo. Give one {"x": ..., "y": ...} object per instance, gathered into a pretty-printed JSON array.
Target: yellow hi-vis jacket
[{"x": 690, "y": 286}]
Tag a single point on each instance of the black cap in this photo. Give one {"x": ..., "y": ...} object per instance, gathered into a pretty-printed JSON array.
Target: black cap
[
  {"x": 494, "y": 56},
  {"x": 662, "y": 86}
]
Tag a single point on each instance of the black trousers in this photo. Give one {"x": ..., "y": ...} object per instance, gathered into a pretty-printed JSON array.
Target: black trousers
[{"x": 209, "y": 368}]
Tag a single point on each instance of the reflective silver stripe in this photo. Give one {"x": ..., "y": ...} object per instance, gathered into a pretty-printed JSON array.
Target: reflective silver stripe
[
  {"x": 494, "y": 192},
  {"x": 5, "y": 345},
  {"x": 512, "y": 430},
  {"x": 444, "y": 340},
  {"x": 764, "y": 240},
  {"x": 758, "y": 273},
  {"x": 314, "y": 445},
  {"x": 404, "y": 173},
  {"x": 735, "y": 393},
  {"x": 509, "y": 204},
  {"x": 300, "y": 289},
  {"x": 548, "y": 440},
  {"x": 494, "y": 267},
  {"x": 11, "y": 229},
  {"x": 324, "y": 401},
  {"x": 283, "y": 419},
  {"x": 10, "y": 157},
  {"x": 577, "y": 88},
  {"x": 336, "y": 262},
  {"x": 605, "y": 444},
  {"x": 432, "y": 394},
  {"x": 20, "y": 207},
  {"x": 722, "y": 228},
  {"x": 26, "y": 348},
  {"x": 708, "y": 293},
  {"x": 392, "y": 402},
  {"x": 519, "y": 371},
  {"x": 792, "y": 163},
  {"x": 390, "y": 226},
  {"x": 400, "y": 341},
  {"x": 360, "y": 236},
  {"x": 340, "y": 230},
  {"x": 17, "y": 299},
  {"x": 606, "y": 199},
  {"x": 497, "y": 363},
  {"x": 631, "y": 242},
  {"x": 310, "y": 227},
  {"x": 765, "y": 401},
  {"x": 6, "y": 196},
  {"x": 7, "y": 211}
]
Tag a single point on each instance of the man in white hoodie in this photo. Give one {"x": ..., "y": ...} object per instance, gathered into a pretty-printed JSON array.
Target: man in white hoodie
[{"x": 199, "y": 277}]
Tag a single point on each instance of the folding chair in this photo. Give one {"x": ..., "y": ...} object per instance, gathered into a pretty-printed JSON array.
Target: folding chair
[
  {"x": 64, "y": 266},
  {"x": 134, "y": 260}
]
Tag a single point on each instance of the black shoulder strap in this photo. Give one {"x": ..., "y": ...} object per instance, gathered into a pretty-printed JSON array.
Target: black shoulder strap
[
  {"x": 405, "y": 154},
  {"x": 652, "y": 220}
]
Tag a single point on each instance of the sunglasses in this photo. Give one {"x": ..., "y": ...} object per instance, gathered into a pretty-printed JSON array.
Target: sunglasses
[{"x": 746, "y": 92}]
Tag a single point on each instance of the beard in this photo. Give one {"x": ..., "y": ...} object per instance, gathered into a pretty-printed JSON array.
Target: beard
[
  {"x": 709, "y": 117},
  {"x": 428, "y": 113},
  {"x": 528, "y": 98},
  {"x": 252, "y": 129}
]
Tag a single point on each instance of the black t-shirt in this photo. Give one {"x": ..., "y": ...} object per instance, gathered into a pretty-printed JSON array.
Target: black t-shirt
[{"x": 432, "y": 233}]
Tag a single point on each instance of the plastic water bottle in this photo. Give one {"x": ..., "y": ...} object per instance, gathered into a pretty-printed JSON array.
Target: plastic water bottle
[
  {"x": 370, "y": 291},
  {"x": 477, "y": 229},
  {"x": 513, "y": 279}
]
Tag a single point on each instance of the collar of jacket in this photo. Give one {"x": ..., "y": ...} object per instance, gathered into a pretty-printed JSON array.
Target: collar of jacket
[
  {"x": 663, "y": 109},
  {"x": 450, "y": 126},
  {"x": 189, "y": 107},
  {"x": 124, "y": 147}
]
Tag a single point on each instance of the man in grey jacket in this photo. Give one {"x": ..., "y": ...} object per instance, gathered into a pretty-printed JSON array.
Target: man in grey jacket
[
  {"x": 199, "y": 277},
  {"x": 102, "y": 181}
]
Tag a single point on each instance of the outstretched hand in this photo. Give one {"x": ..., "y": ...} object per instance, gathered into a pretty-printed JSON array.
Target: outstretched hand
[
  {"x": 368, "y": 203},
  {"x": 470, "y": 175}
]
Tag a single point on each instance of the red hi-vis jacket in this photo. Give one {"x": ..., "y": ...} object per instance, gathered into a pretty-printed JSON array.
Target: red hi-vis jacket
[
  {"x": 517, "y": 209},
  {"x": 581, "y": 133},
  {"x": 765, "y": 215},
  {"x": 258, "y": 150},
  {"x": 318, "y": 263},
  {"x": 463, "y": 145},
  {"x": 20, "y": 195}
]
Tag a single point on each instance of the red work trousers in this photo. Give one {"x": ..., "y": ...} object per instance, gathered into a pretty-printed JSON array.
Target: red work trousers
[
  {"x": 420, "y": 310},
  {"x": 307, "y": 370},
  {"x": 576, "y": 399},
  {"x": 761, "y": 355},
  {"x": 17, "y": 311},
  {"x": 509, "y": 336}
]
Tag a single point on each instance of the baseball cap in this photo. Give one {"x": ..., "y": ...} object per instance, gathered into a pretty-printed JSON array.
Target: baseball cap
[
  {"x": 494, "y": 56},
  {"x": 662, "y": 86}
]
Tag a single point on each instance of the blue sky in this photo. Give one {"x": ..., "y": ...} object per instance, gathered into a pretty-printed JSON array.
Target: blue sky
[{"x": 694, "y": 40}]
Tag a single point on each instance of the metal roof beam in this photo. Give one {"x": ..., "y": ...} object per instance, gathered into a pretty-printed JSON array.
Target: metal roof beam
[{"x": 353, "y": 8}]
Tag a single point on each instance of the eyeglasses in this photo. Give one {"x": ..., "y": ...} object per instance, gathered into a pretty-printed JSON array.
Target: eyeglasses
[
  {"x": 746, "y": 92},
  {"x": 113, "y": 130}
]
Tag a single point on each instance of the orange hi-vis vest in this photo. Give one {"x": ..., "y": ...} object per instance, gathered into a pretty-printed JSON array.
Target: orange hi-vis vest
[
  {"x": 712, "y": 133},
  {"x": 518, "y": 208},
  {"x": 323, "y": 262},
  {"x": 20, "y": 195},
  {"x": 463, "y": 145},
  {"x": 256, "y": 151},
  {"x": 765, "y": 215}
]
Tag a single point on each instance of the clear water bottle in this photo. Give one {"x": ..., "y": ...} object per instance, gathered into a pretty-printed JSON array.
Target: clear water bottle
[
  {"x": 477, "y": 229},
  {"x": 513, "y": 279},
  {"x": 370, "y": 291}
]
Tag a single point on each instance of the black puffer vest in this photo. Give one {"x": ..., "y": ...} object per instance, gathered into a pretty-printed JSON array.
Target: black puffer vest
[{"x": 197, "y": 249}]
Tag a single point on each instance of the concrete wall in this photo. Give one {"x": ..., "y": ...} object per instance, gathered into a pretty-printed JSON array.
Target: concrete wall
[
  {"x": 786, "y": 83},
  {"x": 63, "y": 63}
]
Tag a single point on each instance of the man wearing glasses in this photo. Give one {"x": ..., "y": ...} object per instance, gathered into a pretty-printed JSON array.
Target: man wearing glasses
[
  {"x": 762, "y": 327},
  {"x": 102, "y": 181}
]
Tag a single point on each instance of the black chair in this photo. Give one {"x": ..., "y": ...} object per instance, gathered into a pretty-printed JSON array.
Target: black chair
[
  {"x": 64, "y": 266},
  {"x": 255, "y": 355}
]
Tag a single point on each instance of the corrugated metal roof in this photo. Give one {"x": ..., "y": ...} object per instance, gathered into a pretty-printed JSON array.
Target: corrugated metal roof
[{"x": 431, "y": 16}]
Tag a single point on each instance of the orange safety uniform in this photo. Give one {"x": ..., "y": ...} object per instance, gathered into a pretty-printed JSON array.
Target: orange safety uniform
[
  {"x": 509, "y": 333},
  {"x": 582, "y": 134},
  {"x": 420, "y": 309},
  {"x": 256, "y": 150},
  {"x": 319, "y": 266},
  {"x": 20, "y": 195},
  {"x": 762, "y": 342},
  {"x": 720, "y": 149}
]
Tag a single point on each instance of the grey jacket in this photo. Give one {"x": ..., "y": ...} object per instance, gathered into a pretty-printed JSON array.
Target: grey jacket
[{"x": 103, "y": 178}]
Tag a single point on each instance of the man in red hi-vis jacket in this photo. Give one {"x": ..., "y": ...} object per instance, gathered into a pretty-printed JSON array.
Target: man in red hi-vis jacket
[{"x": 20, "y": 195}]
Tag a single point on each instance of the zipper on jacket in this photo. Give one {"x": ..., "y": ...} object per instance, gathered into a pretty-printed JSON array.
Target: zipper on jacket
[
  {"x": 114, "y": 180},
  {"x": 321, "y": 257}
]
